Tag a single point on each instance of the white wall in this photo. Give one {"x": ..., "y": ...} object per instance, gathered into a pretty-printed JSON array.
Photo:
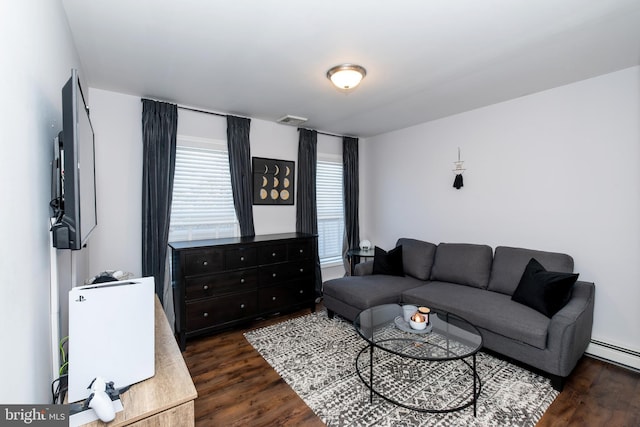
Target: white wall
[
  {"x": 117, "y": 124},
  {"x": 269, "y": 140},
  {"x": 37, "y": 56},
  {"x": 274, "y": 141},
  {"x": 556, "y": 170},
  {"x": 116, "y": 119}
]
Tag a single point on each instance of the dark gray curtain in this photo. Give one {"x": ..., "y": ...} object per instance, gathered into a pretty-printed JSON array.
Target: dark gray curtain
[
  {"x": 240, "y": 168},
  {"x": 306, "y": 211},
  {"x": 351, "y": 194},
  {"x": 159, "y": 125}
]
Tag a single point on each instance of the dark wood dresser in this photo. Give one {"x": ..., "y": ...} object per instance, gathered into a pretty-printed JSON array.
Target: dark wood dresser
[{"x": 220, "y": 283}]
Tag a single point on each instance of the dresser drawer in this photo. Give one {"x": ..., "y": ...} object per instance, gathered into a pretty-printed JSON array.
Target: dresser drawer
[
  {"x": 299, "y": 250},
  {"x": 216, "y": 311},
  {"x": 276, "y": 298},
  {"x": 278, "y": 273},
  {"x": 300, "y": 269},
  {"x": 301, "y": 291},
  {"x": 240, "y": 258},
  {"x": 271, "y": 274},
  {"x": 203, "y": 261},
  {"x": 272, "y": 253},
  {"x": 221, "y": 283}
]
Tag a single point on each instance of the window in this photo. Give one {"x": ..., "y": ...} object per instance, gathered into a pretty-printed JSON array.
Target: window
[
  {"x": 202, "y": 206},
  {"x": 330, "y": 211}
]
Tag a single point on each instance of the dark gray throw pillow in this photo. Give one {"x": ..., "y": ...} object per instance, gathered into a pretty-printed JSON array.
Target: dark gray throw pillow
[
  {"x": 542, "y": 290},
  {"x": 389, "y": 263}
]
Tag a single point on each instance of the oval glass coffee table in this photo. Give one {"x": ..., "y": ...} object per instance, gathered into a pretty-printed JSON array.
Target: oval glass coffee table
[{"x": 418, "y": 370}]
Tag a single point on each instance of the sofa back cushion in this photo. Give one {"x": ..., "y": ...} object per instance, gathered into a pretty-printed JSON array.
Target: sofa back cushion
[
  {"x": 417, "y": 257},
  {"x": 463, "y": 263},
  {"x": 509, "y": 264}
]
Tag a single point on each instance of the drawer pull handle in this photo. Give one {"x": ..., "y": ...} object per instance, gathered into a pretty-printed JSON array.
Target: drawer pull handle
[
  {"x": 274, "y": 275},
  {"x": 241, "y": 258},
  {"x": 241, "y": 280},
  {"x": 205, "y": 314},
  {"x": 273, "y": 298},
  {"x": 241, "y": 305},
  {"x": 205, "y": 287},
  {"x": 205, "y": 263}
]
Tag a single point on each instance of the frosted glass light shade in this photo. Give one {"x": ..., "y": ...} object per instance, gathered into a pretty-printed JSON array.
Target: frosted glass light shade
[{"x": 346, "y": 76}]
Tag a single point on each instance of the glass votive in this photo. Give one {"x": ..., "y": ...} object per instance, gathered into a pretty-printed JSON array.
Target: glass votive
[
  {"x": 408, "y": 311},
  {"x": 425, "y": 311}
]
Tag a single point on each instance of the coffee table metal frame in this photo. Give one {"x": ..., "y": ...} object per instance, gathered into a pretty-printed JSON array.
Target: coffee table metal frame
[{"x": 442, "y": 316}]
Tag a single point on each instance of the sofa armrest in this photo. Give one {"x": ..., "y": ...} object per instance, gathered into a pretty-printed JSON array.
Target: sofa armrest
[
  {"x": 363, "y": 268},
  {"x": 569, "y": 331}
]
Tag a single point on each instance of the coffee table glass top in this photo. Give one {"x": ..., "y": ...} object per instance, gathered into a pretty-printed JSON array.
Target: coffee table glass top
[{"x": 451, "y": 337}]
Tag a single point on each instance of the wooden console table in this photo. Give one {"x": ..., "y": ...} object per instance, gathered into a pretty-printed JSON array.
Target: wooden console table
[{"x": 166, "y": 399}]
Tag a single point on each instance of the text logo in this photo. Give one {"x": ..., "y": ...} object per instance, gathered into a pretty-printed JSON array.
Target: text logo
[{"x": 36, "y": 415}]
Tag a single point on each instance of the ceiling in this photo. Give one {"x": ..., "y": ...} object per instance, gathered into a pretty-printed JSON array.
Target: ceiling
[{"x": 424, "y": 59}]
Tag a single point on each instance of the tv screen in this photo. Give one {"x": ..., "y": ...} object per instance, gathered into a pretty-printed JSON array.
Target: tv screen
[{"x": 77, "y": 216}]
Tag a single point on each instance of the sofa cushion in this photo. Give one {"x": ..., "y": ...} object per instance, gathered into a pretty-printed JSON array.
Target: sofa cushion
[
  {"x": 509, "y": 264},
  {"x": 389, "y": 263},
  {"x": 366, "y": 291},
  {"x": 363, "y": 268},
  {"x": 492, "y": 311},
  {"x": 417, "y": 257},
  {"x": 542, "y": 290},
  {"x": 462, "y": 263}
]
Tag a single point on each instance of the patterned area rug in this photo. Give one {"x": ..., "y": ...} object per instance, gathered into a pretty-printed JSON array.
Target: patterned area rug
[{"x": 316, "y": 356}]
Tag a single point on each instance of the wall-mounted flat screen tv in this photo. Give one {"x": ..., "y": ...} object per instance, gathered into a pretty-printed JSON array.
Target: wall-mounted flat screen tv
[{"x": 75, "y": 207}]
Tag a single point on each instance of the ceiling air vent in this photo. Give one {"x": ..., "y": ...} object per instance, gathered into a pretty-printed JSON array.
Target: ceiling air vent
[{"x": 291, "y": 120}]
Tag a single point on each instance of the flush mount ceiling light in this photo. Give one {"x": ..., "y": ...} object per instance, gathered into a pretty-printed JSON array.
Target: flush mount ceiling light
[{"x": 346, "y": 76}]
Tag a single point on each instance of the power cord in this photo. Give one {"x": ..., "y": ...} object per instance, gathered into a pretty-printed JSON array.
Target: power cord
[
  {"x": 56, "y": 206},
  {"x": 59, "y": 386},
  {"x": 63, "y": 356},
  {"x": 59, "y": 389}
]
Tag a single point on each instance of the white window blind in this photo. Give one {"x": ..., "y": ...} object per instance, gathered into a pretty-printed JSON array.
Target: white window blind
[
  {"x": 202, "y": 206},
  {"x": 330, "y": 211}
]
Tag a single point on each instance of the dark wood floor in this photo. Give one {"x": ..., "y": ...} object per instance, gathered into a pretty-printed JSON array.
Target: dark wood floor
[{"x": 237, "y": 387}]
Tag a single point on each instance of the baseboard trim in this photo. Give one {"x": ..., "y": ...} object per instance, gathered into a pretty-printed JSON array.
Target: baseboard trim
[{"x": 614, "y": 354}]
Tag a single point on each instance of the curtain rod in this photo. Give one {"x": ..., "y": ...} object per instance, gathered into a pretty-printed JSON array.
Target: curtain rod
[
  {"x": 182, "y": 107},
  {"x": 225, "y": 115},
  {"x": 329, "y": 134}
]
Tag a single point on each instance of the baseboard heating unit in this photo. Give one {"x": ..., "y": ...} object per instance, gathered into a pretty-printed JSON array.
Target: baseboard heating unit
[{"x": 617, "y": 355}]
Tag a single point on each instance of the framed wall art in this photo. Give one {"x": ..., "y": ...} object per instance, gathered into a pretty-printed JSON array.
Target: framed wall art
[{"x": 273, "y": 181}]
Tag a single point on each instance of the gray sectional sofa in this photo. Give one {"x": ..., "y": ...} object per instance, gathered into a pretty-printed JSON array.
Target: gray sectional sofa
[{"x": 477, "y": 284}]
